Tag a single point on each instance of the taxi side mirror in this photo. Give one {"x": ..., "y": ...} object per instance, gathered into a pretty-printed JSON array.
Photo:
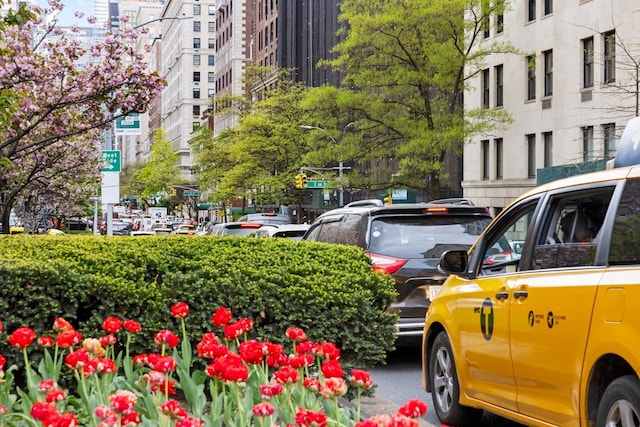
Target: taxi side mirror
[{"x": 453, "y": 262}]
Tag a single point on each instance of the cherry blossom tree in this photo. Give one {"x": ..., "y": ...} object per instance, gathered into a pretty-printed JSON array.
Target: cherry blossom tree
[{"x": 54, "y": 107}]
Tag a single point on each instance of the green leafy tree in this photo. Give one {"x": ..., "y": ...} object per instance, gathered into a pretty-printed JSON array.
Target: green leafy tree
[
  {"x": 130, "y": 185},
  {"x": 162, "y": 171},
  {"x": 410, "y": 63},
  {"x": 259, "y": 157}
]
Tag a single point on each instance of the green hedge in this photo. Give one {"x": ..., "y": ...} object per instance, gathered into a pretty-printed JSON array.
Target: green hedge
[{"x": 328, "y": 290}]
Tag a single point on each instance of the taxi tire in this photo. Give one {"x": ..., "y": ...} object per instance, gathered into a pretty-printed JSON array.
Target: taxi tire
[
  {"x": 447, "y": 391},
  {"x": 621, "y": 398}
]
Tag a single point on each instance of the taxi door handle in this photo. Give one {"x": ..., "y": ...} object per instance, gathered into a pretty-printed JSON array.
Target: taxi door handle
[
  {"x": 521, "y": 294},
  {"x": 502, "y": 295}
]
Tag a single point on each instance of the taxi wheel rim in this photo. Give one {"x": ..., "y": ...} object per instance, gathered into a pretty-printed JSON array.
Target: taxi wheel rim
[
  {"x": 443, "y": 380},
  {"x": 622, "y": 414}
]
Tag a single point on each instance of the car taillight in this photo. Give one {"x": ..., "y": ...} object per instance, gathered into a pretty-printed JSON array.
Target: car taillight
[
  {"x": 250, "y": 225},
  {"x": 386, "y": 264},
  {"x": 437, "y": 210}
]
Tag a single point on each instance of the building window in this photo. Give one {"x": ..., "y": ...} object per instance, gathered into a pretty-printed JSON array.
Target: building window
[
  {"x": 212, "y": 43},
  {"x": 196, "y": 9},
  {"x": 499, "y": 159},
  {"x": 196, "y": 76},
  {"x": 548, "y": 149},
  {"x": 485, "y": 88},
  {"x": 486, "y": 9},
  {"x": 531, "y": 77},
  {"x": 196, "y": 26},
  {"x": 196, "y": 93},
  {"x": 531, "y": 155},
  {"x": 195, "y": 126},
  {"x": 211, "y": 60},
  {"x": 609, "y": 137},
  {"x": 210, "y": 92},
  {"x": 210, "y": 77},
  {"x": 588, "y": 153},
  {"x": 609, "y": 57},
  {"x": 196, "y": 111},
  {"x": 485, "y": 159},
  {"x": 499, "y": 16},
  {"x": 531, "y": 10},
  {"x": 196, "y": 42},
  {"x": 212, "y": 9},
  {"x": 587, "y": 62},
  {"x": 211, "y": 26},
  {"x": 196, "y": 59},
  {"x": 548, "y": 7},
  {"x": 499, "y": 85},
  {"x": 548, "y": 73}
]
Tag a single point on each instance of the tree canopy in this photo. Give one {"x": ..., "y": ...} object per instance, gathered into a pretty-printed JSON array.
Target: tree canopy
[
  {"x": 405, "y": 67},
  {"x": 53, "y": 110},
  {"x": 408, "y": 64}
]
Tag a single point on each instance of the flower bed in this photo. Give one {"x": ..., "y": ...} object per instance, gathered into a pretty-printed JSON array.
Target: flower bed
[{"x": 243, "y": 382}]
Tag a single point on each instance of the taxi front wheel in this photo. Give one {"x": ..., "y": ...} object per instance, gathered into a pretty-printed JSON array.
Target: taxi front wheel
[
  {"x": 445, "y": 388},
  {"x": 620, "y": 404}
]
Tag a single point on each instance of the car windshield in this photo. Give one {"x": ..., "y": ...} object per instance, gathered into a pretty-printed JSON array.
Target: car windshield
[{"x": 424, "y": 237}]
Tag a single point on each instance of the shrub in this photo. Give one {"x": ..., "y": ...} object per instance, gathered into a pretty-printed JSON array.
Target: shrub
[{"x": 328, "y": 290}]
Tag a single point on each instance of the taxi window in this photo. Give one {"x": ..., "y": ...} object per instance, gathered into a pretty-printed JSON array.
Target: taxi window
[
  {"x": 500, "y": 255},
  {"x": 624, "y": 248},
  {"x": 570, "y": 233}
]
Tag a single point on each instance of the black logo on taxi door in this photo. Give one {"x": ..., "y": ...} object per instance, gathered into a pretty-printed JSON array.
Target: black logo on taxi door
[{"x": 486, "y": 319}]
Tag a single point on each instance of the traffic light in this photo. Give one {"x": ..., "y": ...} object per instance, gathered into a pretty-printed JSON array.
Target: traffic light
[
  {"x": 173, "y": 192},
  {"x": 299, "y": 181},
  {"x": 305, "y": 180}
]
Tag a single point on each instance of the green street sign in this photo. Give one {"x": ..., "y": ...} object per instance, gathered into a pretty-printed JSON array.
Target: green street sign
[
  {"x": 111, "y": 161},
  {"x": 191, "y": 193},
  {"x": 128, "y": 125},
  {"x": 317, "y": 184}
]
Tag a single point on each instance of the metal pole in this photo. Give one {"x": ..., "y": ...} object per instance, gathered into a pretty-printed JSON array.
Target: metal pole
[
  {"x": 95, "y": 216},
  {"x": 340, "y": 169}
]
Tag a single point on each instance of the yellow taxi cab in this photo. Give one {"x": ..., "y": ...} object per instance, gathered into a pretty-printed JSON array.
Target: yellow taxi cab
[{"x": 549, "y": 336}]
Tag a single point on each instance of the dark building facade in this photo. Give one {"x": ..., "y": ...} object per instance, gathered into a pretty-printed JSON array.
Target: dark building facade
[{"x": 306, "y": 34}]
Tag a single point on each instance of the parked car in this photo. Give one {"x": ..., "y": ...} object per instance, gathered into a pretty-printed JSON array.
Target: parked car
[
  {"x": 161, "y": 228},
  {"x": 405, "y": 241},
  {"x": 266, "y": 218},
  {"x": 235, "y": 228},
  {"x": 549, "y": 338},
  {"x": 185, "y": 229},
  {"x": 120, "y": 228},
  {"x": 288, "y": 231}
]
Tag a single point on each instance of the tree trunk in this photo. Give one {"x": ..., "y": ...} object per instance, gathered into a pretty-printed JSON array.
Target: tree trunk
[
  {"x": 434, "y": 185},
  {"x": 5, "y": 216}
]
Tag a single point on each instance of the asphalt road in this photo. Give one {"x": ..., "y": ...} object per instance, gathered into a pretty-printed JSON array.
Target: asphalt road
[{"x": 400, "y": 381}]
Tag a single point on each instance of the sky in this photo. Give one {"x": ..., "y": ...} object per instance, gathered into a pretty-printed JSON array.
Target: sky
[{"x": 67, "y": 17}]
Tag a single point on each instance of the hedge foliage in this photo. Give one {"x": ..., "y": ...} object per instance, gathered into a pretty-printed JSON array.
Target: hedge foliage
[{"x": 328, "y": 290}]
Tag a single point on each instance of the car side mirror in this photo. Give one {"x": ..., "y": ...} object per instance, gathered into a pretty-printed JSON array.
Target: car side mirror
[{"x": 453, "y": 262}]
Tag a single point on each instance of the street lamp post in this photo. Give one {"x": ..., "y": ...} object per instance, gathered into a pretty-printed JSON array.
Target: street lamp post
[{"x": 341, "y": 167}]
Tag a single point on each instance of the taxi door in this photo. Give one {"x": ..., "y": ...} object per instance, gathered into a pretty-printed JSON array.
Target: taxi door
[
  {"x": 551, "y": 309},
  {"x": 483, "y": 339},
  {"x": 483, "y": 311}
]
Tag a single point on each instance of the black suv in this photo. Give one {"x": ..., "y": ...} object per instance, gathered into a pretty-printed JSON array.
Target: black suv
[{"x": 405, "y": 241}]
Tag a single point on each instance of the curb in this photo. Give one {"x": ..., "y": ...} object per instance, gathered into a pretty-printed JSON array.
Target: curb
[{"x": 370, "y": 406}]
